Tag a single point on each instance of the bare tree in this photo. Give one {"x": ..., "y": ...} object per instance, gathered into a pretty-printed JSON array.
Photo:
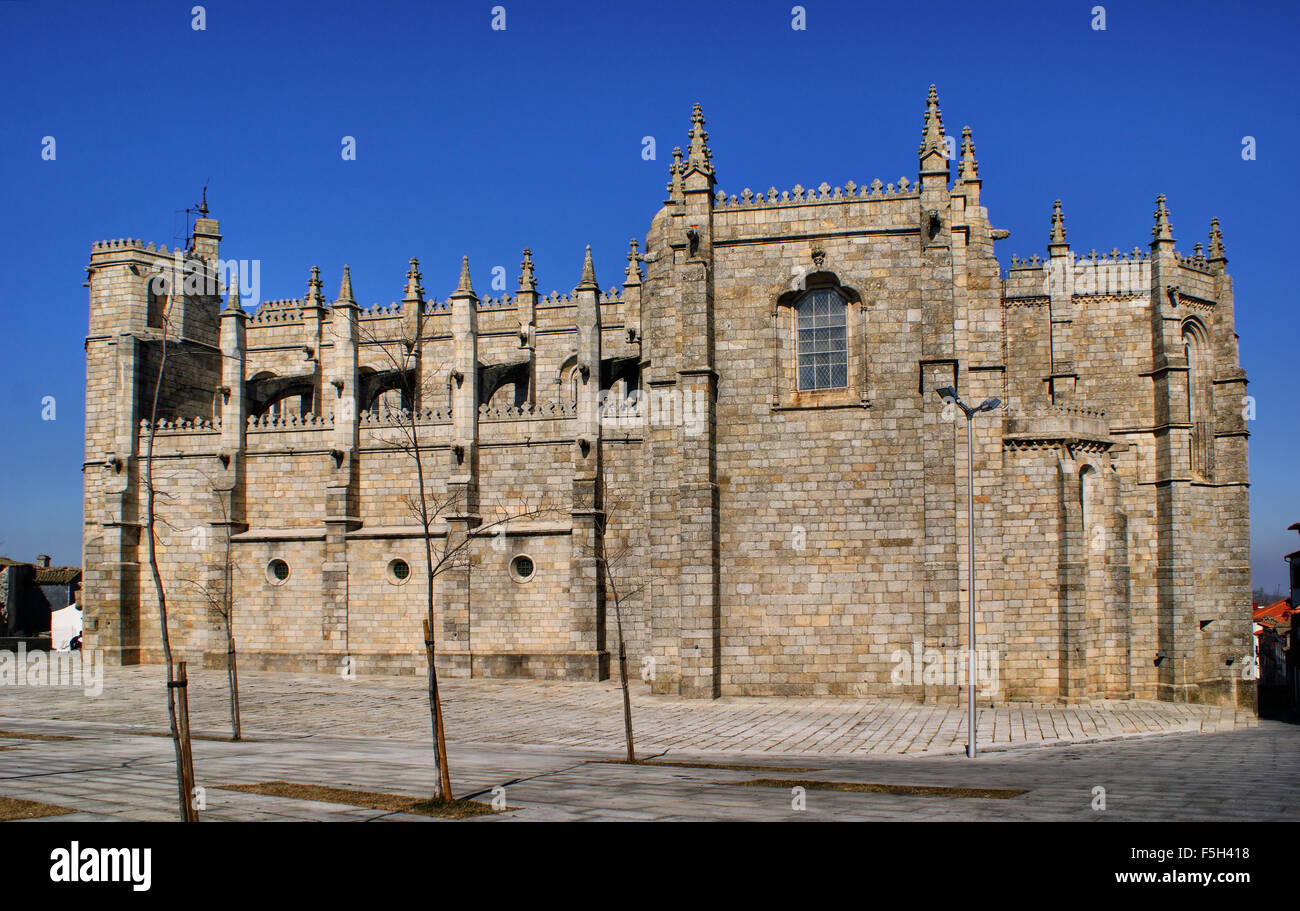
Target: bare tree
[
  {"x": 221, "y": 603},
  {"x": 441, "y": 552},
  {"x": 184, "y": 761},
  {"x": 616, "y": 574}
]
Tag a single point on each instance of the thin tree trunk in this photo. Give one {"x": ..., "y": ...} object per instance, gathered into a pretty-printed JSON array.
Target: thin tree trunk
[
  {"x": 442, "y": 789},
  {"x": 187, "y": 813},
  {"x": 232, "y": 674},
  {"x": 622, "y": 668},
  {"x": 232, "y": 670},
  {"x": 182, "y": 699}
]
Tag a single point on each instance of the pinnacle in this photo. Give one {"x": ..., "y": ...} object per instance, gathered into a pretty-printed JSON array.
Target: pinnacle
[
  {"x": 345, "y": 287},
  {"x": 527, "y": 278},
  {"x": 588, "y": 280},
  {"x": 932, "y": 134},
  {"x": 414, "y": 288},
  {"x": 1216, "y": 242},
  {"x": 970, "y": 168},
  {"x": 1163, "y": 230},
  {"x": 314, "y": 286},
  {"x": 675, "y": 171},
  {"x": 464, "y": 284},
  {"x": 698, "y": 154},
  {"x": 1057, "y": 237},
  {"x": 633, "y": 274}
]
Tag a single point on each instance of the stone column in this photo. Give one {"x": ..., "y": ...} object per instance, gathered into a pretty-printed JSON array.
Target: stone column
[
  {"x": 340, "y": 399},
  {"x": 453, "y": 595},
  {"x": 586, "y": 554}
]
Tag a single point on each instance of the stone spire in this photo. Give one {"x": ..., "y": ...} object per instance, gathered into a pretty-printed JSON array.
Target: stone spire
[
  {"x": 1217, "y": 253},
  {"x": 527, "y": 278},
  {"x": 969, "y": 169},
  {"x": 1057, "y": 238},
  {"x": 232, "y": 302},
  {"x": 633, "y": 274},
  {"x": 1163, "y": 230},
  {"x": 932, "y": 135},
  {"x": 588, "y": 280},
  {"x": 414, "y": 288},
  {"x": 699, "y": 157},
  {"x": 345, "y": 288},
  {"x": 315, "y": 296},
  {"x": 464, "y": 288},
  {"x": 675, "y": 171}
]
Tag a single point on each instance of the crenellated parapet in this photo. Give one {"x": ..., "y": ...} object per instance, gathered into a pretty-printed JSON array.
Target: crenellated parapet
[
  {"x": 542, "y": 411},
  {"x": 1114, "y": 273},
  {"x": 823, "y": 194},
  {"x": 403, "y": 418},
  {"x": 278, "y": 311},
  {"x": 181, "y": 425},
  {"x": 268, "y": 422}
]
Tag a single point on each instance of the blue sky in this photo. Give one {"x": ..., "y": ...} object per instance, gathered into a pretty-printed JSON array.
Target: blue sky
[{"x": 481, "y": 142}]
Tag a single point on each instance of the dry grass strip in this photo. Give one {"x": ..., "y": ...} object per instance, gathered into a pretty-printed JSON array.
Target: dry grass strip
[
  {"x": 373, "y": 800},
  {"x": 727, "y": 767},
  {"x": 24, "y": 735},
  {"x": 11, "y": 808},
  {"x": 906, "y": 790}
]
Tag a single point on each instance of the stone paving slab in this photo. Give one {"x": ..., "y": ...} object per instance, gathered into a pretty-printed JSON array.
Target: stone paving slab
[
  {"x": 589, "y": 715},
  {"x": 111, "y": 773}
]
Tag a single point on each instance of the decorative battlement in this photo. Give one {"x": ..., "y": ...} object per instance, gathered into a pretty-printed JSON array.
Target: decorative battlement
[
  {"x": 1093, "y": 258},
  {"x": 174, "y": 426},
  {"x": 277, "y": 311},
  {"x": 126, "y": 243},
  {"x": 290, "y": 422},
  {"x": 540, "y": 411},
  {"x": 398, "y": 418},
  {"x": 1080, "y": 410},
  {"x": 1196, "y": 262},
  {"x": 1114, "y": 273},
  {"x": 391, "y": 311},
  {"x": 824, "y": 193}
]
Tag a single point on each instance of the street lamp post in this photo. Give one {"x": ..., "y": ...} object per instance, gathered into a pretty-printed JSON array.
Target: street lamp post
[{"x": 949, "y": 394}]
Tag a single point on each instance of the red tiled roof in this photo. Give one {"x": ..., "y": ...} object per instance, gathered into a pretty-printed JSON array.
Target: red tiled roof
[{"x": 1278, "y": 611}]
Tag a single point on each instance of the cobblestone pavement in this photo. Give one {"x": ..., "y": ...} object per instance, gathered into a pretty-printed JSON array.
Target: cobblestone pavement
[
  {"x": 576, "y": 714},
  {"x": 554, "y": 748},
  {"x": 1242, "y": 775}
]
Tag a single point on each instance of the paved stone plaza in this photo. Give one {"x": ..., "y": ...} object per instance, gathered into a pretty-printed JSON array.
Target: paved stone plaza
[{"x": 548, "y": 745}]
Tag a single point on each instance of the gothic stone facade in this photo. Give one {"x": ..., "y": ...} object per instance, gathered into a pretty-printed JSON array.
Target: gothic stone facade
[{"x": 751, "y": 424}]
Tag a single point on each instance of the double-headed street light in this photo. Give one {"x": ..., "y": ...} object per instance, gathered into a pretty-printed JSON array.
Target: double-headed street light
[{"x": 949, "y": 394}]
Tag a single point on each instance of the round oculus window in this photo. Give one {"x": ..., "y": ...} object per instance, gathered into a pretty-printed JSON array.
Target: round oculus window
[
  {"x": 522, "y": 568},
  {"x": 277, "y": 572},
  {"x": 398, "y": 571}
]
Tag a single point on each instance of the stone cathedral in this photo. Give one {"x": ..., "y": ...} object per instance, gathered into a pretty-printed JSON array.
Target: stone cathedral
[{"x": 742, "y": 439}]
